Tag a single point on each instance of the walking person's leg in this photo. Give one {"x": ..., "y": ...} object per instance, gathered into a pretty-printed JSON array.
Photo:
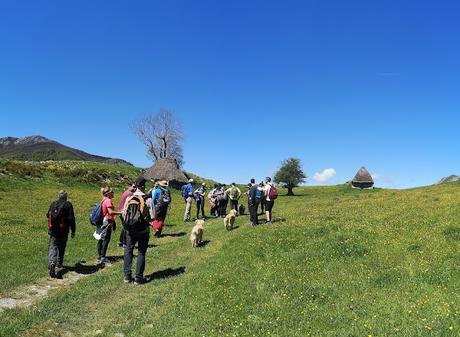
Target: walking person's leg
[
  {"x": 128, "y": 256},
  {"x": 202, "y": 209},
  {"x": 52, "y": 256},
  {"x": 62, "y": 243},
  {"x": 105, "y": 244},
  {"x": 188, "y": 208},
  {"x": 142, "y": 245},
  {"x": 198, "y": 205},
  {"x": 268, "y": 210}
]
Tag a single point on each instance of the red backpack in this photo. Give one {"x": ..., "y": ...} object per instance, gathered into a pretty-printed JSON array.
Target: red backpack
[{"x": 272, "y": 193}]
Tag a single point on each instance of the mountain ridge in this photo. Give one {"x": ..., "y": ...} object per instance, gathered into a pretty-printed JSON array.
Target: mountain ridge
[{"x": 39, "y": 148}]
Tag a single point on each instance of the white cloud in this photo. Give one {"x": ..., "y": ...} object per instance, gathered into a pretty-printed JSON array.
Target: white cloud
[{"x": 324, "y": 176}]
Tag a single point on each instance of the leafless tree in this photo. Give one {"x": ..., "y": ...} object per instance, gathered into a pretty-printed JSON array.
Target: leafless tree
[{"x": 162, "y": 134}]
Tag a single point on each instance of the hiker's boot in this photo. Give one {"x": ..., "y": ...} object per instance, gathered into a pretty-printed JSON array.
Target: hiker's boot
[{"x": 52, "y": 270}]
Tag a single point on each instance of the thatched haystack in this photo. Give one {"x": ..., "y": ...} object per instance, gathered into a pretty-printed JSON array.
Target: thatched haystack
[
  {"x": 167, "y": 169},
  {"x": 362, "y": 179}
]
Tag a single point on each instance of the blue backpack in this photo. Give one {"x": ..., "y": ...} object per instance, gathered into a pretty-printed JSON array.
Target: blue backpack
[
  {"x": 259, "y": 194},
  {"x": 184, "y": 191},
  {"x": 96, "y": 217}
]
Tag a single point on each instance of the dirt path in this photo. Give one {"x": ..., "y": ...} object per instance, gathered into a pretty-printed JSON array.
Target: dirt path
[{"x": 24, "y": 296}]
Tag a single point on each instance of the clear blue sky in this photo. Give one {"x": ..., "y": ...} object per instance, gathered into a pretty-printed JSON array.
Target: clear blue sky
[{"x": 338, "y": 84}]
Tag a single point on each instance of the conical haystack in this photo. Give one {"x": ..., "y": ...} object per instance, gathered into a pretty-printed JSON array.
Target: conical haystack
[
  {"x": 362, "y": 179},
  {"x": 166, "y": 169}
]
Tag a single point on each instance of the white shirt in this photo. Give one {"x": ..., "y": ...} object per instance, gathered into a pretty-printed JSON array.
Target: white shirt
[{"x": 266, "y": 190}]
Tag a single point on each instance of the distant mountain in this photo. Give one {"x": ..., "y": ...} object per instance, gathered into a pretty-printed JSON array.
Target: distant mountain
[
  {"x": 38, "y": 148},
  {"x": 450, "y": 179}
]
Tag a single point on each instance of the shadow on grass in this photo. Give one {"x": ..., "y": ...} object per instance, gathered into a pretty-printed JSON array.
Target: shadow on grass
[
  {"x": 166, "y": 273},
  {"x": 173, "y": 235},
  {"x": 79, "y": 268},
  {"x": 151, "y": 245},
  {"x": 203, "y": 243}
]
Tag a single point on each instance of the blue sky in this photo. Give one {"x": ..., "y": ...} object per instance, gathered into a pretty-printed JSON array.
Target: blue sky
[{"x": 338, "y": 84}]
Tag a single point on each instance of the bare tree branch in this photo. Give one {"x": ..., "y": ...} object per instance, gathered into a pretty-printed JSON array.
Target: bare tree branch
[{"x": 161, "y": 134}]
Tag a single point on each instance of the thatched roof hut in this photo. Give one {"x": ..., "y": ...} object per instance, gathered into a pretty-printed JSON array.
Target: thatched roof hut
[
  {"x": 362, "y": 179},
  {"x": 167, "y": 169}
]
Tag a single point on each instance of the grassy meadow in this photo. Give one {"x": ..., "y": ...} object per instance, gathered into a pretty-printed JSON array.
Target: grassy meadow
[{"x": 336, "y": 262}]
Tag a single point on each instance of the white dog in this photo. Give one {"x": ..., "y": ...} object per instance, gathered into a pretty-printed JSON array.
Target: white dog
[
  {"x": 197, "y": 233},
  {"x": 229, "y": 220}
]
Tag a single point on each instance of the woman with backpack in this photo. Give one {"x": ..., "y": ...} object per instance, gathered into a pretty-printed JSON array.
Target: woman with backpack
[
  {"x": 234, "y": 193},
  {"x": 108, "y": 224},
  {"x": 260, "y": 200},
  {"x": 271, "y": 194},
  {"x": 212, "y": 197},
  {"x": 160, "y": 200}
]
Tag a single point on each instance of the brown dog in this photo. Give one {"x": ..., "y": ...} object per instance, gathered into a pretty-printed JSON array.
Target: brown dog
[
  {"x": 229, "y": 220},
  {"x": 197, "y": 233}
]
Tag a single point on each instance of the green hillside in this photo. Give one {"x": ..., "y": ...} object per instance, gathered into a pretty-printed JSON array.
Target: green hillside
[
  {"x": 38, "y": 148},
  {"x": 336, "y": 262}
]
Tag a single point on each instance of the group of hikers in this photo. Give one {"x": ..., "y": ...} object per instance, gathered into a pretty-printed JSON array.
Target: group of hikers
[
  {"x": 262, "y": 194},
  {"x": 139, "y": 210}
]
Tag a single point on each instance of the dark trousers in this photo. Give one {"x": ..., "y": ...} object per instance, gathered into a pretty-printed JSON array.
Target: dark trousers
[
  {"x": 142, "y": 240},
  {"x": 199, "y": 206},
  {"x": 102, "y": 245},
  {"x": 56, "y": 250},
  {"x": 253, "y": 214},
  {"x": 214, "y": 210},
  {"x": 222, "y": 208},
  {"x": 260, "y": 202},
  {"x": 234, "y": 205},
  {"x": 122, "y": 237}
]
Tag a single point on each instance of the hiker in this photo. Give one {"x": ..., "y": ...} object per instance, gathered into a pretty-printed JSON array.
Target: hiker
[
  {"x": 136, "y": 223},
  {"x": 61, "y": 219},
  {"x": 187, "y": 194},
  {"x": 199, "y": 198},
  {"x": 212, "y": 197},
  {"x": 222, "y": 201},
  {"x": 252, "y": 203},
  {"x": 161, "y": 200},
  {"x": 126, "y": 194},
  {"x": 234, "y": 193},
  {"x": 260, "y": 198},
  {"x": 108, "y": 225},
  {"x": 270, "y": 197}
]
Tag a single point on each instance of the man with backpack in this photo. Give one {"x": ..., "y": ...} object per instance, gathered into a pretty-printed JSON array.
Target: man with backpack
[
  {"x": 126, "y": 194},
  {"x": 199, "y": 195},
  {"x": 136, "y": 220},
  {"x": 252, "y": 204},
  {"x": 234, "y": 193},
  {"x": 161, "y": 200},
  {"x": 187, "y": 194},
  {"x": 61, "y": 220},
  {"x": 271, "y": 194}
]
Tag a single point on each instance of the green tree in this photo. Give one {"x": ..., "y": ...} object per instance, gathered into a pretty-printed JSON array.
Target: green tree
[{"x": 290, "y": 174}]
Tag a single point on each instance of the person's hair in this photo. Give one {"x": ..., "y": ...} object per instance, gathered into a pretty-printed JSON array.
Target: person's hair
[
  {"x": 233, "y": 184},
  {"x": 261, "y": 184},
  {"x": 105, "y": 191},
  {"x": 140, "y": 182},
  {"x": 62, "y": 195},
  {"x": 268, "y": 179},
  {"x": 253, "y": 181},
  {"x": 216, "y": 185}
]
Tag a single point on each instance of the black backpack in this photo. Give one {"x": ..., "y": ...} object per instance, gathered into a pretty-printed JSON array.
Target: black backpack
[
  {"x": 164, "y": 199},
  {"x": 56, "y": 223},
  {"x": 135, "y": 215}
]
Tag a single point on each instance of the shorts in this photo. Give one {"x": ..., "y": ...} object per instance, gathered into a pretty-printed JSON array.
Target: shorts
[{"x": 269, "y": 205}]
